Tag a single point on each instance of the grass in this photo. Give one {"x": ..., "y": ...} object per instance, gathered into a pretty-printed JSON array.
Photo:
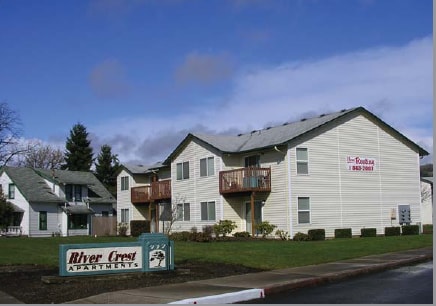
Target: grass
[{"x": 264, "y": 254}]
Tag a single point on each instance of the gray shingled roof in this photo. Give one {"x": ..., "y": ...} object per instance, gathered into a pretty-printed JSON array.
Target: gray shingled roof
[
  {"x": 142, "y": 169},
  {"x": 279, "y": 135},
  {"x": 32, "y": 185}
]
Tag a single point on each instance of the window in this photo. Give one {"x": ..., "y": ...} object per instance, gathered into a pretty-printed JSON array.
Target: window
[
  {"x": 77, "y": 193},
  {"x": 207, "y": 166},
  {"x": 302, "y": 161},
  {"x": 78, "y": 222},
  {"x": 42, "y": 220},
  {"x": 183, "y": 171},
  {"x": 124, "y": 215},
  {"x": 69, "y": 193},
  {"x": 183, "y": 212},
  {"x": 207, "y": 211},
  {"x": 124, "y": 183},
  {"x": 303, "y": 210},
  {"x": 252, "y": 161},
  {"x": 11, "y": 191}
]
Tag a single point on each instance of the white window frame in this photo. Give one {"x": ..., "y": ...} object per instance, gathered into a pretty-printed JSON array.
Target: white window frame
[
  {"x": 125, "y": 215},
  {"x": 208, "y": 166},
  {"x": 124, "y": 183},
  {"x": 302, "y": 161},
  {"x": 184, "y": 175},
  {"x": 183, "y": 212},
  {"x": 303, "y": 210},
  {"x": 209, "y": 210},
  {"x": 11, "y": 191}
]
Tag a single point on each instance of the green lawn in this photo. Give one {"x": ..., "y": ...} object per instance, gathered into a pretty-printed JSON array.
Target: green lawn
[{"x": 264, "y": 254}]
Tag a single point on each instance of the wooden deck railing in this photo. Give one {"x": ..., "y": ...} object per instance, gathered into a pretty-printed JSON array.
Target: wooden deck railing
[
  {"x": 157, "y": 191},
  {"x": 161, "y": 190},
  {"x": 245, "y": 180},
  {"x": 140, "y": 194}
]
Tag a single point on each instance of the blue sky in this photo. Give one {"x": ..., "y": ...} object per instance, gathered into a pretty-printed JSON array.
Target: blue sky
[{"x": 141, "y": 74}]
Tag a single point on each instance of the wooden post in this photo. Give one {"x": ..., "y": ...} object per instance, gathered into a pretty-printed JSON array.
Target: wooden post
[
  {"x": 149, "y": 214},
  {"x": 157, "y": 217},
  {"x": 252, "y": 214}
]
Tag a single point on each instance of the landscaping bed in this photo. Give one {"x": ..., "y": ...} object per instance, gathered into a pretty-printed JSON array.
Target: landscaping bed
[{"x": 24, "y": 281}]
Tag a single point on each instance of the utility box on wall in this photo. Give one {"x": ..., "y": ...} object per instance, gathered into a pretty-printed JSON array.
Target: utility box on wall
[{"x": 404, "y": 217}]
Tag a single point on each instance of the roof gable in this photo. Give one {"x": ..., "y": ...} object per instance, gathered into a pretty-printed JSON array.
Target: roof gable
[{"x": 279, "y": 135}]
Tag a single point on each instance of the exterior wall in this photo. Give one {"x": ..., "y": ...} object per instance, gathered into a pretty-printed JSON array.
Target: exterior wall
[
  {"x": 276, "y": 205},
  {"x": 19, "y": 200},
  {"x": 196, "y": 189},
  {"x": 426, "y": 203},
  {"x": 54, "y": 219},
  {"x": 340, "y": 198}
]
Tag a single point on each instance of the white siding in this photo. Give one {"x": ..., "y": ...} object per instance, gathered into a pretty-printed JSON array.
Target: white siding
[
  {"x": 19, "y": 200},
  {"x": 426, "y": 203},
  {"x": 54, "y": 219},
  {"x": 340, "y": 198},
  {"x": 196, "y": 189}
]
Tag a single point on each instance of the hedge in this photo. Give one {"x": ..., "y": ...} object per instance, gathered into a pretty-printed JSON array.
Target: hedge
[
  {"x": 343, "y": 233},
  {"x": 393, "y": 231},
  {"x": 410, "y": 230},
  {"x": 427, "y": 229},
  {"x": 316, "y": 234},
  {"x": 137, "y": 227},
  {"x": 368, "y": 232}
]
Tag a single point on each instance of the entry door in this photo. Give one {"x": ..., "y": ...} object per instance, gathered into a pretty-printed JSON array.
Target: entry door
[{"x": 257, "y": 215}]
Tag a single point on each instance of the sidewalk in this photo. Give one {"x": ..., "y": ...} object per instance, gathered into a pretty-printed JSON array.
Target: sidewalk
[
  {"x": 251, "y": 286},
  {"x": 246, "y": 287}
]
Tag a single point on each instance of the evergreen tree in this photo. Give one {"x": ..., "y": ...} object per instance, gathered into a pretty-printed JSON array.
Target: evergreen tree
[
  {"x": 106, "y": 168},
  {"x": 78, "y": 156}
]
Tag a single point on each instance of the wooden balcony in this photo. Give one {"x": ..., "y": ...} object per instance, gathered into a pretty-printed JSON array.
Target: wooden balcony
[
  {"x": 161, "y": 190},
  {"x": 245, "y": 180},
  {"x": 140, "y": 195},
  {"x": 146, "y": 194}
]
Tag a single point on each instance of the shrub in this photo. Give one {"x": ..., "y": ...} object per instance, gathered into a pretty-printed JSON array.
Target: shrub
[
  {"x": 300, "y": 237},
  {"x": 242, "y": 235},
  {"x": 316, "y": 234},
  {"x": 427, "y": 229},
  {"x": 282, "y": 234},
  {"x": 224, "y": 227},
  {"x": 265, "y": 228},
  {"x": 180, "y": 236},
  {"x": 343, "y": 233},
  {"x": 368, "y": 232},
  {"x": 410, "y": 230},
  {"x": 137, "y": 227},
  {"x": 122, "y": 229},
  {"x": 207, "y": 231},
  {"x": 393, "y": 231}
]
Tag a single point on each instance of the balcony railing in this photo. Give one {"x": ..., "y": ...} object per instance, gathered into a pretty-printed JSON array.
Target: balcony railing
[
  {"x": 161, "y": 190},
  {"x": 141, "y": 194},
  {"x": 157, "y": 191},
  {"x": 245, "y": 180}
]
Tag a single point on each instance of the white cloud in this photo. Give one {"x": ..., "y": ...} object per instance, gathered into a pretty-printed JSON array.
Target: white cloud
[{"x": 395, "y": 83}]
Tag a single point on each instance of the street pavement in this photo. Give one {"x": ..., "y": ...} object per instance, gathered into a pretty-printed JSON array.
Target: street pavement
[{"x": 238, "y": 288}]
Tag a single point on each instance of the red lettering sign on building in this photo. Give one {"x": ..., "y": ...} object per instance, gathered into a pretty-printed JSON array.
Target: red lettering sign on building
[{"x": 357, "y": 163}]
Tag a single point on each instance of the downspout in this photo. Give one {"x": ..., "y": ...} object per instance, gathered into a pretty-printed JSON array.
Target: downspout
[{"x": 289, "y": 175}]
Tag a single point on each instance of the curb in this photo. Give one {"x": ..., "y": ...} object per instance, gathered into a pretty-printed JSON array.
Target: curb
[
  {"x": 225, "y": 298},
  {"x": 344, "y": 275}
]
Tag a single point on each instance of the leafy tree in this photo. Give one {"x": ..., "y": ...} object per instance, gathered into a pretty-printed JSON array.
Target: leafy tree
[
  {"x": 106, "y": 168},
  {"x": 6, "y": 211},
  {"x": 79, "y": 155}
]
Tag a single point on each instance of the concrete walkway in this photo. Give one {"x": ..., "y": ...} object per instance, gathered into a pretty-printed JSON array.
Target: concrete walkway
[{"x": 246, "y": 287}]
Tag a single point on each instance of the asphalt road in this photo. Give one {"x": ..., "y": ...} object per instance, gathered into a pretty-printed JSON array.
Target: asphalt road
[{"x": 405, "y": 285}]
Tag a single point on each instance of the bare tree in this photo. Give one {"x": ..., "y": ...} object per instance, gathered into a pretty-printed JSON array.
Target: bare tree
[
  {"x": 43, "y": 156},
  {"x": 171, "y": 213},
  {"x": 10, "y": 131}
]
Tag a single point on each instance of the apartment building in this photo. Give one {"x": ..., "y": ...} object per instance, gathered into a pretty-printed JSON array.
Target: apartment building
[{"x": 347, "y": 169}]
